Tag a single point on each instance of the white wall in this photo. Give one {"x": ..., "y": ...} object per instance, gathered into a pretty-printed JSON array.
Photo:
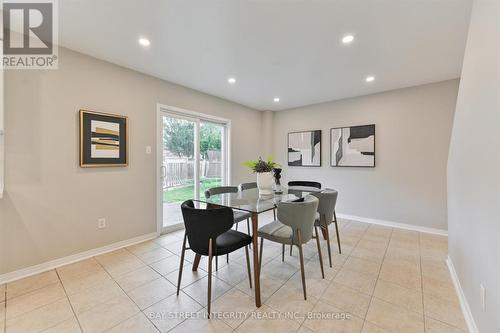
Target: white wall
[
  {"x": 413, "y": 128},
  {"x": 51, "y": 205},
  {"x": 474, "y": 168}
]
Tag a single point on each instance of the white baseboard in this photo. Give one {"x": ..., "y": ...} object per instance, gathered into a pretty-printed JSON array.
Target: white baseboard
[
  {"x": 469, "y": 319},
  {"x": 395, "y": 224},
  {"x": 46, "y": 266}
]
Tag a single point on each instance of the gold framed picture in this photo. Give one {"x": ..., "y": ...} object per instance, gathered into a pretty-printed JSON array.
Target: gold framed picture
[{"x": 103, "y": 139}]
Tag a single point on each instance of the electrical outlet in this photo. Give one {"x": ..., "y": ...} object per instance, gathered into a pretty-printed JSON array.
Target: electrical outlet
[
  {"x": 482, "y": 290},
  {"x": 101, "y": 223},
  {"x": 148, "y": 150}
]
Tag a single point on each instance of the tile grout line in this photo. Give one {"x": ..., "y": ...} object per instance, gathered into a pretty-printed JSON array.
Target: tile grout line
[
  {"x": 119, "y": 286},
  {"x": 296, "y": 270},
  {"x": 69, "y": 301},
  {"x": 378, "y": 276},
  {"x": 162, "y": 276},
  {"x": 341, "y": 266},
  {"x": 30, "y": 292}
]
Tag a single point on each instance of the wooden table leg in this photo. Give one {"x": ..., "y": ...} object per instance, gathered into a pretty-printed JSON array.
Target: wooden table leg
[
  {"x": 196, "y": 262},
  {"x": 256, "y": 270}
]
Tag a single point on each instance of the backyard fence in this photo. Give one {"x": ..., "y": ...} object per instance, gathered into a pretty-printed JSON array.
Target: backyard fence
[{"x": 180, "y": 171}]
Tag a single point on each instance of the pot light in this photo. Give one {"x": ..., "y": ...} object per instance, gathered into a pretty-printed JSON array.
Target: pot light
[
  {"x": 370, "y": 78},
  {"x": 276, "y": 99},
  {"x": 231, "y": 80},
  {"x": 347, "y": 39},
  {"x": 144, "y": 42}
]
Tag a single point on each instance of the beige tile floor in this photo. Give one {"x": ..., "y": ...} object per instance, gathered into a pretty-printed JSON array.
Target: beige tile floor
[{"x": 386, "y": 280}]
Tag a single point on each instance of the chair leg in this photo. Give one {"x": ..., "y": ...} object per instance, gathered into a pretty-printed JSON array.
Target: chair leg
[
  {"x": 182, "y": 264},
  {"x": 236, "y": 226},
  {"x": 319, "y": 252},
  {"x": 209, "y": 292},
  {"x": 274, "y": 214},
  {"x": 227, "y": 258},
  {"x": 260, "y": 254},
  {"x": 337, "y": 230},
  {"x": 301, "y": 257},
  {"x": 291, "y": 247},
  {"x": 248, "y": 267},
  {"x": 283, "y": 253},
  {"x": 216, "y": 263},
  {"x": 327, "y": 234}
]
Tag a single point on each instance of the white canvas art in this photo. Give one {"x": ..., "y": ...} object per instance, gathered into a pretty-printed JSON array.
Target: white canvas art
[
  {"x": 304, "y": 148},
  {"x": 353, "y": 146}
]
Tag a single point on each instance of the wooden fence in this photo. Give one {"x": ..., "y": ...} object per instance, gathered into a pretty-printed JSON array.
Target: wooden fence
[{"x": 180, "y": 171}]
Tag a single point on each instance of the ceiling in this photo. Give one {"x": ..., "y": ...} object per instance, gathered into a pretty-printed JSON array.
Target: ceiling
[{"x": 275, "y": 48}]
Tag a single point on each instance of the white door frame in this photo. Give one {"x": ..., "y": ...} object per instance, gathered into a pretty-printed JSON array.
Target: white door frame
[{"x": 197, "y": 117}]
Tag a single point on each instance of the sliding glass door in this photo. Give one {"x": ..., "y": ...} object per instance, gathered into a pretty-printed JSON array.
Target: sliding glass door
[
  {"x": 212, "y": 162},
  {"x": 193, "y": 159}
]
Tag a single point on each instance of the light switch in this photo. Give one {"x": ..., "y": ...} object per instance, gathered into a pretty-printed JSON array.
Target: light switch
[{"x": 148, "y": 150}]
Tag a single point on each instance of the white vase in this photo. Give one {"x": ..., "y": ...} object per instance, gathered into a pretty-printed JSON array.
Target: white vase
[{"x": 265, "y": 181}]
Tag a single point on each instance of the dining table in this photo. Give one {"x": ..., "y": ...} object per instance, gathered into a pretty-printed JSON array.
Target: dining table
[{"x": 255, "y": 203}]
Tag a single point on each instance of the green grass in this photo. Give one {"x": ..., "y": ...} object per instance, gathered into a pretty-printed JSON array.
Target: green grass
[{"x": 186, "y": 192}]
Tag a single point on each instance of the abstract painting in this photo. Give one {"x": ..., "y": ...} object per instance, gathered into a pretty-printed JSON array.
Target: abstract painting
[
  {"x": 103, "y": 139},
  {"x": 352, "y": 146},
  {"x": 304, "y": 148}
]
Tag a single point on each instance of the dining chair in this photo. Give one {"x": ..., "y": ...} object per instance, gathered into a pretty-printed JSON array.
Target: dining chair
[
  {"x": 326, "y": 215},
  {"x": 248, "y": 186},
  {"x": 209, "y": 233},
  {"x": 294, "y": 226},
  {"x": 304, "y": 183},
  {"x": 239, "y": 216}
]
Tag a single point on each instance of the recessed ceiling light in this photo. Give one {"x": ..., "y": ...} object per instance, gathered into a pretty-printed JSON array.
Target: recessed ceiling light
[
  {"x": 231, "y": 80},
  {"x": 144, "y": 41},
  {"x": 276, "y": 99},
  {"x": 370, "y": 78},
  {"x": 347, "y": 39}
]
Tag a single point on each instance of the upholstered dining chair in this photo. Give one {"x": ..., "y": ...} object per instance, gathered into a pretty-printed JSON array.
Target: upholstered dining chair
[
  {"x": 294, "y": 226},
  {"x": 247, "y": 186},
  {"x": 326, "y": 215},
  {"x": 209, "y": 233},
  {"x": 306, "y": 183},
  {"x": 239, "y": 216}
]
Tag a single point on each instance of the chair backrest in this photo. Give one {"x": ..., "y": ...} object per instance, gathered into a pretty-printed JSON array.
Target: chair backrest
[
  {"x": 299, "y": 215},
  {"x": 220, "y": 190},
  {"x": 304, "y": 183},
  {"x": 247, "y": 186},
  {"x": 326, "y": 208},
  {"x": 203, "y": 224}
]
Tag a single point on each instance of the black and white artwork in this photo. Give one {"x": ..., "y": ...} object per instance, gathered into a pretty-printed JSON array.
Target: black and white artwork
[
  {"x": 352, "y": 146},
  {"x": 304, "y": 148}
]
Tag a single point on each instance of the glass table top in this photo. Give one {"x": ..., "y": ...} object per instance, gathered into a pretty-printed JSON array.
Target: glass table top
[{"x": 251, "y": 201}]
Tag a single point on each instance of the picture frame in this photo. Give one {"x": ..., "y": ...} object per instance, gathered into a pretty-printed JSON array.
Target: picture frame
[
  {"x": 353, "y": 146},
  {"x": 304, "y": 148},
  {"x": 103, "y": 139}
]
